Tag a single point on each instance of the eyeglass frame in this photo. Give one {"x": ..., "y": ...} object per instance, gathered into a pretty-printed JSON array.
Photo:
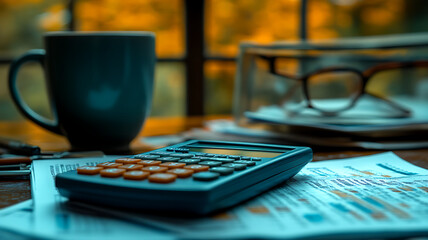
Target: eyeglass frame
[{"x": 364, "y": 76}]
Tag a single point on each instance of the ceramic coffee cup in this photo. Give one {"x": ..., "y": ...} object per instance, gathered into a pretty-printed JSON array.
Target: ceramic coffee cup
[{"x": 100, "y": 86}]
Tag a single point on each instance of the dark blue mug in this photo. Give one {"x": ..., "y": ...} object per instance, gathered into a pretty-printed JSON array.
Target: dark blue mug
[{"x": 100, "y": 86}]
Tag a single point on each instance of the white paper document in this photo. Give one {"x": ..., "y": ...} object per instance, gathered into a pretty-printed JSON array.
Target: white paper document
[
  {"x": 16, "y": 222},
  {"x": 51, "y": 219},
  {"x": 379, "y": 195}
]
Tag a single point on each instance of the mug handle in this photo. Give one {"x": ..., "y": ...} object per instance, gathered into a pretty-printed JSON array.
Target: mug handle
[{"x": 35, "y": 55}]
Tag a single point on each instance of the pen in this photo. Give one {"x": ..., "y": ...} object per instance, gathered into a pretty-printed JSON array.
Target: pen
[
  {"x": 14, "y": 170},
  {"x": 18, "y": 147},
  {"x": 21, "y": 166},
  {"x": 11, "y": 160},
  {"x": 10, "y": 173}
]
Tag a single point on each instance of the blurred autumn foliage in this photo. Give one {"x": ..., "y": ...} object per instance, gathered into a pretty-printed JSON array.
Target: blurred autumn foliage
[
  {"x": 23, "y": 22},
  {"x": 230, "y": 22},
  {"x": 164, "y": 17},
  {"x": 227, "y": 23}
]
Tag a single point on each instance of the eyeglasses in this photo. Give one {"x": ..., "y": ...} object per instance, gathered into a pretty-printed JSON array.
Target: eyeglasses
[{"x": 336, "y": 89}]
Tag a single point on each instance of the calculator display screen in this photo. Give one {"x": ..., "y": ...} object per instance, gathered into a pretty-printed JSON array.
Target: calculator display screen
[{"x": 237, "y": 152}]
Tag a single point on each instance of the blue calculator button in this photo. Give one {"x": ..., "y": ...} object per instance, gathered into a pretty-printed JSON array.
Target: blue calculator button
[
  {"x": 210, "y": 163},
  {"x": 147, "y": 156},
  {"x": 189, "y": 161},
  {"x": 162, "y": 154},
  {"x": 223, "y": 160},
  {"x": 183, "y": 150},
  {"x": 236, "y": 166},
  {"x": 256, "y": 159},
  {"x": 199, "y": 154},
  {"x": 206, "y": 176},
  {"x": 222, "y": 170},
  {"x": 168, "y": 159},
  {"x": 202, "y": 158},
  {"x": 181, "y": 155},
  {"x": 247, "y": 163}
]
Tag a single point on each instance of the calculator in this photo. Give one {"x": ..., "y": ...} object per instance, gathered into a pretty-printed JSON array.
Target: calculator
[{"x": 195, "y": 176}]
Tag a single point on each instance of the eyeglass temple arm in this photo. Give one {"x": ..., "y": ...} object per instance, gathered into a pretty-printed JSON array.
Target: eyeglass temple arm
[
  {"x": 394, "y": 65},
  {"x": 272, "y": 68},
  {"x": 395, "y": 105}
]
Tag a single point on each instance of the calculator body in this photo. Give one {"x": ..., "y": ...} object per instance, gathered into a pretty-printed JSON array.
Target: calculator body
[{"x": 272, "y": 165}]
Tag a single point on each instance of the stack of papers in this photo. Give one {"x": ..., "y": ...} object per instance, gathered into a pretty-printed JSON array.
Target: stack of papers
[
  {"x": 367, "y": 125},
  {"x": 227, "y": 130},
  {"x": 365, "y": 119},
  {"x": 374, "y": 196}
]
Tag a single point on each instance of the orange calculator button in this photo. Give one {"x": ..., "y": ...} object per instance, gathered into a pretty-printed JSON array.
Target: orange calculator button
[
  {"x": 197, "y": 168},
  {"x": 147, "y": 163},
  {"x": 131, "y": 167},
  {"x": 154, "y": 169},
  {"x": 109, "y": 165},
  {"x": 127, "y": 160},
  {"x": 89, "y": 170},
  {"x": 162, "y": 178},
  {"x": 181, "y": 173},
  {"x": 136, "y": 175},
  {"x": 112, "y": 172},
  {"x": 172, "y": 165}
]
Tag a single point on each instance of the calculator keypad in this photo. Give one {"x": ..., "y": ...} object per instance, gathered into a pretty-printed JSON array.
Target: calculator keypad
[
  {"x": 181, "y": 155},
  {"x": 210, "y": 163},
  {"x": 167, "y": 166},
  {"x": 168, "y": 159},
  {"x": 223, "y": 160},
  {"x": 222, "y": 170},
  {"x": 109, "y": 165},
  {"x": 197, "y": 168},
  {"x": 154, "y": 169},
  {"x": 149, "y": 163},
  {"x": 236, "y": 166},
  {"x": 206, "y": 176},
  {"x": 147, "y": 157},
  {"x": 127, "y": 160},
  {"x": 162, "y": 177},
  {"x": 172, "y": 165},
  {"x": 131, "y": 167},
  {"x": 246, "y": 162},
  {"x": 189, "y": 161},
  {"x": 112, "y": 172},
  {"x": 135, "y": 175},
  {"x": 181, "y": 173},
  {"x": 89, "y": 170}
]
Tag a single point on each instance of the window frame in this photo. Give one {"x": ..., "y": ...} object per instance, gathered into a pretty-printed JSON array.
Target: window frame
[{"x": 194, "y": 58}]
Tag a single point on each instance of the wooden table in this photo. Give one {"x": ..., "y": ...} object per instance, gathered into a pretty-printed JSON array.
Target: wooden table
[{"x": 15, "y": 191}]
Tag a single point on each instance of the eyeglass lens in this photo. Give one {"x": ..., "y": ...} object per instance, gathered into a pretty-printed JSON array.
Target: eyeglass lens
[
  {"x": 400, "y": 83},
  {"x": 333, "y": 91}
]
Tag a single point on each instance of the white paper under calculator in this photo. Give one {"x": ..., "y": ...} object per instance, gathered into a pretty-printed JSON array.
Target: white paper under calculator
[
  {"x": 52, "y": 218},
  {"x": 378, "y": 195}
]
